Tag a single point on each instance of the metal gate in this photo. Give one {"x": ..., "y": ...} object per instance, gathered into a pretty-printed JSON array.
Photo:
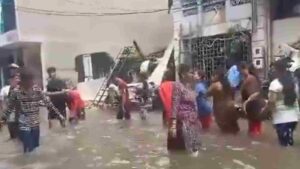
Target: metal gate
[{"x": 210, "y": 53}]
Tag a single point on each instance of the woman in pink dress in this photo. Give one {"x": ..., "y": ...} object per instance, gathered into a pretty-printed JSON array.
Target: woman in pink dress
[{"x": 184, "y": 128}]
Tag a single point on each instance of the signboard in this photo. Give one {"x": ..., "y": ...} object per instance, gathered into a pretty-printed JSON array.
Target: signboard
[
  {"x": 189, "y": 7},
  {"x": 210, "y": 5},
  {"x": 239, "y": 2}
]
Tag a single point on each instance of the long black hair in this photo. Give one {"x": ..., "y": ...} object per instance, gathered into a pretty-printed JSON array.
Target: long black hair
[
  {"x": 183, "y": 69},
  {"x": 222, "y": 78},
  {"x": 297, "y": 75},
  {"x": 251, "y": 68},
  {"x": 287, "y": 81}
]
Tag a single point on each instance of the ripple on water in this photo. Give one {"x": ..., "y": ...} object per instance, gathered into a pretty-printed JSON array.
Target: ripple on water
[
  {"x": 97, "y": 158},
  {"x": 163, "y": 161},
  {"x": 245, "y": 166},
  {"x": 80, "y": 149},
  {"x": 112, "y": 121},
  {"x": 70, "y": 137},
  {"x": 235, "y": 148},
  {"x": 117, "y": 161}
]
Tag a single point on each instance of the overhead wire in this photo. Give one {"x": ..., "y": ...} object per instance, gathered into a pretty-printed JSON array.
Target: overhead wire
[
  {"x": 76, "y": 13},
  {"x": 91, "y": 5}
]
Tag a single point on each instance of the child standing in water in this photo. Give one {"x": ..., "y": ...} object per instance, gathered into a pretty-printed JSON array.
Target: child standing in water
[{"x": 204, "y": 106}]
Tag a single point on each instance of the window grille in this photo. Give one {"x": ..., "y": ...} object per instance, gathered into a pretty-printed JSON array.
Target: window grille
[{"x": 210, "y": 53}]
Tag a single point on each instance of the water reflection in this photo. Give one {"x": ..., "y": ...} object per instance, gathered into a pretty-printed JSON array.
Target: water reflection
[{"x": 102, "y": 142}]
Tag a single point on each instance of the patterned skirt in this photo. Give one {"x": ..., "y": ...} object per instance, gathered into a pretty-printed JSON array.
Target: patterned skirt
[{"x": 187, "y": 135}]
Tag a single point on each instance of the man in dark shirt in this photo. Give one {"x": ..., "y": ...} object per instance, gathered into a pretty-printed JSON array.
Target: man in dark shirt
[{"x": 58, "y": 97}]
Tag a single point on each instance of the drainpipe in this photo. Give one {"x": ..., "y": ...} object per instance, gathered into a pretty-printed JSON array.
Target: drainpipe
[
  {"x": 254, "y": 15},
  {"x": 269, "y": 29}
]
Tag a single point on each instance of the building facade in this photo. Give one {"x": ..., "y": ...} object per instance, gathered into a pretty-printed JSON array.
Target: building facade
[
  {"x": 208, "y": 30},
  {"x": 53, "y": 32}
]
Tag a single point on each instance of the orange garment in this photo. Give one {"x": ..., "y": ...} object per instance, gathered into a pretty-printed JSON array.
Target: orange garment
[
  {"x": 255, "y": 128},
  {"x": 76, "y": 104},
  {"x": 165, "y": 92}
]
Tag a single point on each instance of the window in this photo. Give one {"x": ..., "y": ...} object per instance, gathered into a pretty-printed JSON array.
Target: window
[
  {"x": 211, "y": 5},
  {"x": 211, "y": 53},
  {"x": 8, "y": 16},
  {"x": 239, "y": 2},
  {"x": 189, "y": 7},
  {"x": 285, "y": 8}
]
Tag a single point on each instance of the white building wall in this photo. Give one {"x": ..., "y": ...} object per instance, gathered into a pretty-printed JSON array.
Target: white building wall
[
  {"x": 64, "y": 37},
  {"x": 213, "y": 22},
  {"x": 285, "y": 31}
]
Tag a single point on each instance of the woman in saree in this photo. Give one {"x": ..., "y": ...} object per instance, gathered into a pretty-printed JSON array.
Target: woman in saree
[
  {"x": 225, "y": 112},
  {"x": 184, "y": 126},
  {"x": 254, "y": 104},
  {"x": 165, "y": 93}
]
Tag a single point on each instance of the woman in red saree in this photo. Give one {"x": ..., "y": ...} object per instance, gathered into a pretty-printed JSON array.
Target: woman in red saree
[
  {"x": 184, "y": 126},
  {"x": 165, "y": 92}
]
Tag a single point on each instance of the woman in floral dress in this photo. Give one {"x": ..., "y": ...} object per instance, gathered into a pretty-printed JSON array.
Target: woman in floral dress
[{"x": 184, "y": 131}]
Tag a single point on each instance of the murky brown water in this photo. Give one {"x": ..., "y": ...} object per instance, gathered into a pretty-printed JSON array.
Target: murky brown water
[{"x": 103, "y": 142}]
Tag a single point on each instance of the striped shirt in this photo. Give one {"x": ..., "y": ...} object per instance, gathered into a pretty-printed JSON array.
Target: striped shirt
[{"x": 27, "y": 106}]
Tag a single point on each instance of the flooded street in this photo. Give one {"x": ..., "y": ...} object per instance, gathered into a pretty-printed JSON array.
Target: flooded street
[{"x": 103, "y": 142}]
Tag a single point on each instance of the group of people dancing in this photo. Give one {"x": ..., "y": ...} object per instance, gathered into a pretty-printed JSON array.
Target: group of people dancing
[
  {"x": 21, "y": 101},
  {"x": 188, "y": 108}
]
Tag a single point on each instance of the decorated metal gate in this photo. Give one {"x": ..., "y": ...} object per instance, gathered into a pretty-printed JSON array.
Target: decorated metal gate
[{"x": 211, "y": 53}]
